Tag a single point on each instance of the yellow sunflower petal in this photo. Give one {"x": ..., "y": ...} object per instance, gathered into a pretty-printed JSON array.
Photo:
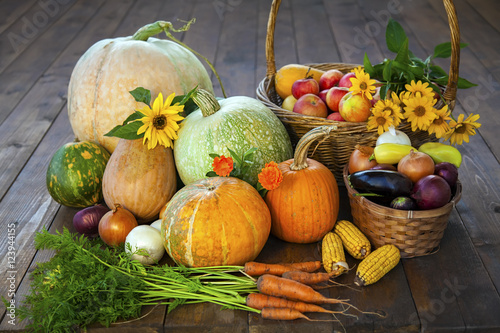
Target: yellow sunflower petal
[
  {"x": 169, "y": 100},
  {"x": 158, "y": 104}
]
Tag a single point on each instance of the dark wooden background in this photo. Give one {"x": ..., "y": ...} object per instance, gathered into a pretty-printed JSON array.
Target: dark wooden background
[{"x": 455, "y": 289}]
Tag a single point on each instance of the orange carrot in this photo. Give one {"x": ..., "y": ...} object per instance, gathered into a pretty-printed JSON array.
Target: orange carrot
[
  {"x": 277, "y": 286},
  {"x": 256, "y": 268},
  {"x": 260, "y": 301},
  {"x": 308, "y": 278},
  {"x": 282, "y": 314}
]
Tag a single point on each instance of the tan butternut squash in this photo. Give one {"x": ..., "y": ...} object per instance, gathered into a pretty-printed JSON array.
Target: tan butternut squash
[{"x": 139, "y": 179}]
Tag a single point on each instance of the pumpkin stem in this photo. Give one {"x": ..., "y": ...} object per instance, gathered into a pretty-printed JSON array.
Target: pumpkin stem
[
  {"x": 152, "y": 29},
  {"x": 206, "y": 101},
  {"x": 300, "y": 155}
]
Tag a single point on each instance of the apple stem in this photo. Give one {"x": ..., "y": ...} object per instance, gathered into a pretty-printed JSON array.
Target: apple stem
[{"x": 300, "y": 155}]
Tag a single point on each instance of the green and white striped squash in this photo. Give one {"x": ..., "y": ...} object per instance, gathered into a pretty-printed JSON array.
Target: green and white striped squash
[
  {"x": 74, "y": 175},
  {"x": 238, "y": 123}
]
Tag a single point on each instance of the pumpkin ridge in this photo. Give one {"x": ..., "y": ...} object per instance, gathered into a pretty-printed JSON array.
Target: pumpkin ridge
[
  {"x": 97, "y": 85},
  {"x": 189, "y": 238}
]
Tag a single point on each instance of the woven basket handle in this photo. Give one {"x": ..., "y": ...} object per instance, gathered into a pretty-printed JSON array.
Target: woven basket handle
[{"x": 450, "y": 92}]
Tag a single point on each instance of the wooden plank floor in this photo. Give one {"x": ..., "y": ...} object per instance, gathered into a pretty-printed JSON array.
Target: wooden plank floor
[{"x": 455, "y": 289}]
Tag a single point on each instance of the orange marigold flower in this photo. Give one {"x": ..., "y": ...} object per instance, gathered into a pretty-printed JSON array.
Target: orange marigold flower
[
  {"x": 222, "y": 165},
  {"x": 270, "y": 177}
]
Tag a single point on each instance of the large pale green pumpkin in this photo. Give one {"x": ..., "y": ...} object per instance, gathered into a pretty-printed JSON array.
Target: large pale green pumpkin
[
  {"x": 98, "y": 92},
  {"x": 238, "y": 123}
]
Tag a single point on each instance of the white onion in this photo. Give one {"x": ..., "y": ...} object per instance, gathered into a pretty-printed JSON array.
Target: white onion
[
  {"x": 393, "y": 136},
  {"x": 147, "y": 238},
  {"x": 156, "y": 224}
]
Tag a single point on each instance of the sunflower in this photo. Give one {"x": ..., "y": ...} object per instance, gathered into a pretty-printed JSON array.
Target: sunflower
[
  {"x": 160, "y": 122},
  {"x": 461, "y": 129},
  {"x": 381, "y": 117},
  {"x": 440, "y": 124},
  {"x": 362, "y": 84},
  {"x": 418, "y": 111},
  {"x": 419, "y": 87}
]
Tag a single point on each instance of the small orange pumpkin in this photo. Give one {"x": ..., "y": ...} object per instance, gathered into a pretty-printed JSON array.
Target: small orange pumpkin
[
  {"x": 305, "y": 206},
  {"x": 215, "y": 221}
]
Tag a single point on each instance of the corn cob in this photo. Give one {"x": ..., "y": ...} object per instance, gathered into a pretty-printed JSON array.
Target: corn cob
[
  {"x": 377, "y": 264},
  {"x": 333, "y": 254},
  {"x": 355, "y": 242}
]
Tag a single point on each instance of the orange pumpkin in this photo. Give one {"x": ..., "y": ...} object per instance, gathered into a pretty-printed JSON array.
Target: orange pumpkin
[
  {"x": 305, "y": 206},
  {"x": 215, "y": 221},
  {"x": 139, "y": 179}
]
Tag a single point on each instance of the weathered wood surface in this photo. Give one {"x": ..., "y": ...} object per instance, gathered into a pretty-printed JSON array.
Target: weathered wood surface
[{"x": 455, "y": 289}]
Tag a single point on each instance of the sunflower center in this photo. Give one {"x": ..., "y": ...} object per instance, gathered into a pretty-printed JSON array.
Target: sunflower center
[
  {"x": 363, "y": 86},
  {"x": 438, "y": 121},
  {"x": 420, "y": 111},
  {"x": 159, "y": 122},
  {"x": 381, "y": 120},
  {"x": 460, "y": 129}
]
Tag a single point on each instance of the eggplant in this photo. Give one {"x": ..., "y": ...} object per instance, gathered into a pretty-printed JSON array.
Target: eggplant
[{"x": 386, "y": 183}]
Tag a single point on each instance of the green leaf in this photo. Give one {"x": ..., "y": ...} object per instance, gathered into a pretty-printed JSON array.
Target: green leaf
[
  {"x": 464, "y": 84},
  {"x": 383, "y": 91},
  {"x": 128, "y": 131},
  {"x": 443, "y": 80},
  {"x": 235, "y": 156},
  {"x": 443, "y": 50},
  {"x": 387, "y": 71},
  {"x": 395, "y": 36},
  {"x": 211, "y": 174},
  {"x": 249, "y": 153},
  {"x": 437, "y": 71},
  {"x": 133, "y": 117},
  {"x": 413, "y": 71},
  {"x": 403, "y": 55},
  {"x": 368, "y": 66},
  {"x": 212, "y": 155},
  {"x": 141, "y": 95}
]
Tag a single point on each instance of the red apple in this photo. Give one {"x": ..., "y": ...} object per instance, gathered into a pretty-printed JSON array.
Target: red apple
[
  {"x": 334, "y": 96},
  {"x": 322, "y": 95},
  {"x": 329, "y": 79},
  {"x": 311, "y": 105},
  {"x": 345, "y": 81},
  {"x": 335, "y": 116},
  {"x": 305, "y": 86},
  {"x": 355, "y": 108}
]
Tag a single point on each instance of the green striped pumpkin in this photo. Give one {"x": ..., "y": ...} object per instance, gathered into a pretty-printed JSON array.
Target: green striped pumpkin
[
  {"x": 74, "y": 175},
  {"x": 238, "y": 123}
]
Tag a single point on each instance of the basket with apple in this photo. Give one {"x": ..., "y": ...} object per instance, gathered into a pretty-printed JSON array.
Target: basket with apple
[{"x": 312, "y": 95}]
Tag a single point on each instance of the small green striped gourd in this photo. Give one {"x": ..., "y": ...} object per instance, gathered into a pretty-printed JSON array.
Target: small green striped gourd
[
  {"x": 74, "y": 175},
  {"x": 238, "y": 123}
]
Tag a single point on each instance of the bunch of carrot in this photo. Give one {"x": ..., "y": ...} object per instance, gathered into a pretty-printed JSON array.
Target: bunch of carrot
[{"x": 286, "y": 292}]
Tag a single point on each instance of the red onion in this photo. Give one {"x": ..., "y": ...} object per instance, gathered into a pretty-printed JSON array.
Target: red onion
[
  {"x": 431, "y": 192},
  {"x": 448, "y": 171},
  {"x": 384, "y": 167},
  {"x": 86, "y": 221}
]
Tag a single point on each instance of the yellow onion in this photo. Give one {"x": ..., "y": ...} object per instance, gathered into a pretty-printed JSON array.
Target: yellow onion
[{"x": 115, "y": 225}]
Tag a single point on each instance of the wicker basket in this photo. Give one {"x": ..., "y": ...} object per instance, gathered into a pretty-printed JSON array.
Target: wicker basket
[
  {"x": 415, "y": 233},
  {"x": 334, "y": 152}
]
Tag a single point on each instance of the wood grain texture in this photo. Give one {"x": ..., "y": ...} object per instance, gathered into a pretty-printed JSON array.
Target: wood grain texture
[{"x": 454, "y": 290}]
